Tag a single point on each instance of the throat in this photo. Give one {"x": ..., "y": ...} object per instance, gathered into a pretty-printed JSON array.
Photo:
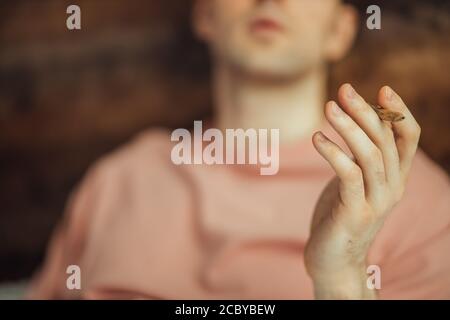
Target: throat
[{"x": 295, "y": 108}]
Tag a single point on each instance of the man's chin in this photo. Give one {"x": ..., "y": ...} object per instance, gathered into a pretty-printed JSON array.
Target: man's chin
[{"x": 267, "y": 67}]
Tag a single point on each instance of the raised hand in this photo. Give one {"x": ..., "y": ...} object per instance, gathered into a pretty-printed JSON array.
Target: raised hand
[{"x": 354, "y": 205}]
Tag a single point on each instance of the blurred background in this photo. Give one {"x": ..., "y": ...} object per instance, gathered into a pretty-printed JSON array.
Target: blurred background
[{"x": 68, "y": 97}]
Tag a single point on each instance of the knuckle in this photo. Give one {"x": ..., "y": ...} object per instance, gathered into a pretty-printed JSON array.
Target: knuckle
[
  {"x": 414, "y": 132},
  {"x": 360, "y": 104},
  {"x": 335, "y": 153},
  {"x": 350, "y": 125},
  {"x": 380, "y": 176},
  {"x": 397, "y": 194},
  {"x": 375, "y": 155},
  {"x": 354, "y": 173},
  {"x": 418, "y": 130},
  {"x": 388, "y": 134}
]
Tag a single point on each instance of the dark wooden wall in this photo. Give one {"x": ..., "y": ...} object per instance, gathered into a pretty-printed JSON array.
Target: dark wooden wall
[{"x": 67, "y": 97}]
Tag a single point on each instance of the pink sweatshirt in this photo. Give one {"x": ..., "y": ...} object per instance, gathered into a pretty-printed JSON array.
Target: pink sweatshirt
[{"x": 140, "y": 227}]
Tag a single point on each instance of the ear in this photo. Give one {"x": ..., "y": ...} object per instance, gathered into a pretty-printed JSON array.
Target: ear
[
  {"x": 343, "y": 33},
  {"x": 202, "y": 19}
]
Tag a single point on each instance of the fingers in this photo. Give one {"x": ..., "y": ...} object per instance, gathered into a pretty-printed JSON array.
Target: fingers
[
  {"x": 384, "y": 151},
  {"x": 368, "y": 156},
  {"x": 407, "y": 132},
  {"x": 350, "y": 175},
  {"x": 379, "y": 132}
]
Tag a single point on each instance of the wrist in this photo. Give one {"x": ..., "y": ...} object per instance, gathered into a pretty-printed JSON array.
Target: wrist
[
  {"x": 324, "y": 267},
  {"x": 348, "y": 282}
]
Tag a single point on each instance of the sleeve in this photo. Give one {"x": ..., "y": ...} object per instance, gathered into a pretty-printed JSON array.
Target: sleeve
[
  {"x": 67, "y": 242},
  {"x": 416, "y": 254}
]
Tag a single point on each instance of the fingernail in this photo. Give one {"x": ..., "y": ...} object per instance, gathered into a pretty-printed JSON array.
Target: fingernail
[
  {"x": 320, "y": 137},
  {"x": 389, "y": 94},
  {"x": 351, "y": 93},
  {"x": 335, "y": 109}
]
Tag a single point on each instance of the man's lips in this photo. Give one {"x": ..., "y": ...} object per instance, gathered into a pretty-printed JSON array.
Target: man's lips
[{"x": 265, "y": 24}]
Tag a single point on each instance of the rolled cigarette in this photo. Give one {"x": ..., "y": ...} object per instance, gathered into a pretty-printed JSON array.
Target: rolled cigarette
[{"x": 387, "y": 115}]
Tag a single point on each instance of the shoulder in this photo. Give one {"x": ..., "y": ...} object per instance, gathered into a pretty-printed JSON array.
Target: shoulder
[
  {"x": 146, "y": 153},
  {"x": 423, "y": 213},
  {"x": 427, "y": 180},
  {"x": 137, "y": 178},
  {"x": 428, "y": 194},
  {"x": 143, "y": 163},
  {"x": 150, "y": 147}
]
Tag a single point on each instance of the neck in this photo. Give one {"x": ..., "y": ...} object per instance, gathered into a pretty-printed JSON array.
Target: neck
[{"x": 294, "y": 106}]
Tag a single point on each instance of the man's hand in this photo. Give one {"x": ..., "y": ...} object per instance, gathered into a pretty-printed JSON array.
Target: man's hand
[{"x": 352, "y": 208}]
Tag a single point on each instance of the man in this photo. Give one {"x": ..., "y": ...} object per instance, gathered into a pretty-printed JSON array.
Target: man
[{"x": 140, "y": 227}]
